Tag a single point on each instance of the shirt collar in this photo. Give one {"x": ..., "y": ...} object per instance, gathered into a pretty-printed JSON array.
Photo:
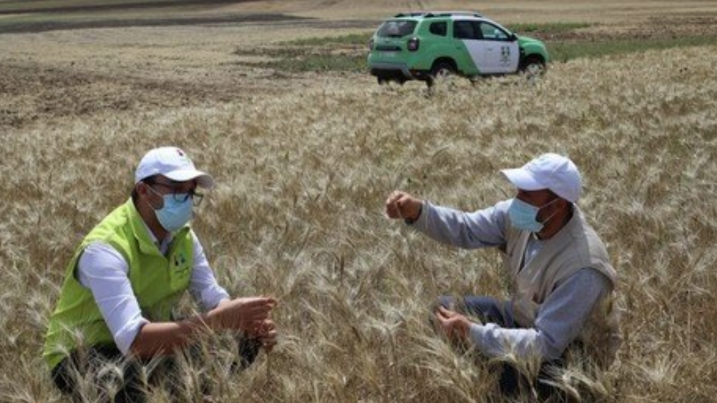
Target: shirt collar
[{"x": 164, "y": 244}]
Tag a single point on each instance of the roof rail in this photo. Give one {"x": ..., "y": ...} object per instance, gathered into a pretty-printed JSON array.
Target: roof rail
[
  {"x": 449, "y": 13},
  {"x": 410, "y": 14},
  {"x": 429, "y": 14}
]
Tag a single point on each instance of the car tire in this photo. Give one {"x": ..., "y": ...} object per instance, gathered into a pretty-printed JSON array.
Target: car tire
[
  {"x": 387, "y": 80},
  {"x": 533, "y": 67},
  {"x": 440, "y": 71}
]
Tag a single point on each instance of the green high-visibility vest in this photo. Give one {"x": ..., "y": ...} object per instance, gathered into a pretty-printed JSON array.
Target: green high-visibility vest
[{"x": 158, "y": 282}]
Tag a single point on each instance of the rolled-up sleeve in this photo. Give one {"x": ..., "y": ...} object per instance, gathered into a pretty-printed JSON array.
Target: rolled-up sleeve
[
  {"x": 203, "y": 285},
  {"x": 103, "y": 270}
]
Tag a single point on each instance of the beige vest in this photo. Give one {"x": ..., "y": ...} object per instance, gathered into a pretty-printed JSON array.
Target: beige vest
[{"x": 574, "y": 247}]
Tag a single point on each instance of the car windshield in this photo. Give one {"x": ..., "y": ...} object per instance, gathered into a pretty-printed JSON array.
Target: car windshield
[
  {"x": 396, "y": 28},
  {"x": 490, "y": 31}
]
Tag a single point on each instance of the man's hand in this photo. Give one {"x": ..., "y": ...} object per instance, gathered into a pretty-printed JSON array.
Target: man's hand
[
  {"x": 266, "y": 334},
  {"x": 404, "y": 206},
  {"x": 245, "y": 314},
  {"x": 456, "y": 326}
]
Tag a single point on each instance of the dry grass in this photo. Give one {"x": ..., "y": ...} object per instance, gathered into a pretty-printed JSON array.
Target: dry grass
[
  {"x": 304, "y": 165},
  {"x": 298, "y": 214},
  {"x": 512, "y": 11}
]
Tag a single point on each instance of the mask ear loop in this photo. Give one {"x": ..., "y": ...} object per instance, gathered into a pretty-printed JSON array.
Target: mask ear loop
[
  {"x": 552, "y": 215},
  {"x": 157, "y": 193}
]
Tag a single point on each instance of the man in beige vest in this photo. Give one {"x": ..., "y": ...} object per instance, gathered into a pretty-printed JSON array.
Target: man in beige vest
[{"x": 562, "y": 283}]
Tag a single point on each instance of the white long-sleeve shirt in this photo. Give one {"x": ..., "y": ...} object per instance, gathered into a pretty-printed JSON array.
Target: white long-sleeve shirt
[
  {"x": 104, "y": 271},
  {"x": 561, "y": 316}
]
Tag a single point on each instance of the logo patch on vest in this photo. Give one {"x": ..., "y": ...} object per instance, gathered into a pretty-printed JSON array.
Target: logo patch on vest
[
  {"x": 181, "y": 266},
  {"x": 179, "y": 260}
]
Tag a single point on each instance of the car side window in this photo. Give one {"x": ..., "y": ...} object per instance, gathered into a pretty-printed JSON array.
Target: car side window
[
  {"x": 438, "y": 28},
  {"x": 463, "y": 30},
  {"x": 492, "y": 32},
  {"x": 396, "y": 28},
  {"x": 477, "y": 33}
]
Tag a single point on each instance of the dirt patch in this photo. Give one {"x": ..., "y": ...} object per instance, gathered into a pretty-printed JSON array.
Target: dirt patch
[
  {"x": 44, "y": 26},
  {"x": 651, "y": 28},
  {"x": 32, "y": 93},
  {"x": 143, "y": 64},
  {"x": 115, "y": 7},
  {"x": 201, "y": 61}
]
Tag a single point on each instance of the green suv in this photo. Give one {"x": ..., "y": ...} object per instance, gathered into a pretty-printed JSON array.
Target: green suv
[{"x": 424, "y": 46}]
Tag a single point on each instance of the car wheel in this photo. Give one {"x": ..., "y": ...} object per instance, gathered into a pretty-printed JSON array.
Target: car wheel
[
  {"x": 440, "y": 72},
  {"x": 388, "y": 80},
  {"x": 533, "y": 67}
]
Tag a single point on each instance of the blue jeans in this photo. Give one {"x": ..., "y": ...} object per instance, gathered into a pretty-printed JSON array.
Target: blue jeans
[{"x": 512, "y": 383}]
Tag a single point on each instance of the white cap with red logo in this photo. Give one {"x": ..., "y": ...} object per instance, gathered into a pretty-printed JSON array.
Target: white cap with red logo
[
  {"x": 548, "y": 171},
  {"x": 172, "y": 163}
]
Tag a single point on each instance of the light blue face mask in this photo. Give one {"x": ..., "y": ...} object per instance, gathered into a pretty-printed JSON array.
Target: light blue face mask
[
  {"x": 524, "y": 216},
  {"x": 174, "y": 214}
]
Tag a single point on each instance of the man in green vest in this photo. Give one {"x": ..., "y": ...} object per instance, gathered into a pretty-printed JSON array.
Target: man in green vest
[
  {"x": 562, "y": 282},
  {"x": 125, "y": 279}
]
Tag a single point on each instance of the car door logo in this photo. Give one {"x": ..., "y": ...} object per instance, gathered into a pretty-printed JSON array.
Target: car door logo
[{"x": 505, "y": 54}]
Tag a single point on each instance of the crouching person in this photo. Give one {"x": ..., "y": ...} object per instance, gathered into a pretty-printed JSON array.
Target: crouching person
[
  {"x": 562, "y": 282},
  {"x": 113, "y": 325}
]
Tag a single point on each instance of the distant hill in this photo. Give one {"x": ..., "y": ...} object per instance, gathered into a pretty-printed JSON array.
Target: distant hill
[{"x": 69, "y": 6}]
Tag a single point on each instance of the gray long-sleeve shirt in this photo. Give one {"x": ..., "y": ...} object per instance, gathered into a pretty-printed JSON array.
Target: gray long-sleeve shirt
[{"x": 560, "y": 317}]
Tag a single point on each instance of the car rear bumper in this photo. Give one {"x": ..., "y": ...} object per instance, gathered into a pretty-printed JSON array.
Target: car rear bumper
[{"x": 388, "y": 69}]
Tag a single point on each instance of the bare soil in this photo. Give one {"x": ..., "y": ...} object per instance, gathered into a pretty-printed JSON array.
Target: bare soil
[
  {"x": 111, "y": 7},
  {"x": 69, "y": 68},
  {"x": 42, "y": 26}
]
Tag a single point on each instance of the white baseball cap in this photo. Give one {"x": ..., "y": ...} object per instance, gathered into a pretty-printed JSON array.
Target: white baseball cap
[
  {"x": 548, "y": 171},
  {"x": 173, "y": 163}
]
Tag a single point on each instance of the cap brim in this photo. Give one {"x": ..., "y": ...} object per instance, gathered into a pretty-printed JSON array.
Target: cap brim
[
  {"x": 182, "y": 175},
  {"x": 522, "y": 179}
]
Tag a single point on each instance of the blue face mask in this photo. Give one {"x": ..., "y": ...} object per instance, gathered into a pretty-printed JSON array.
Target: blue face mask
[
  {"x": 174, "y": 214},
  {"x": 524, "y": 216}
]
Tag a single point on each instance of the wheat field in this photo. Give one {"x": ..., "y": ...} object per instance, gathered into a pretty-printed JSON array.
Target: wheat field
[{"x": 298, "y": 214}]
